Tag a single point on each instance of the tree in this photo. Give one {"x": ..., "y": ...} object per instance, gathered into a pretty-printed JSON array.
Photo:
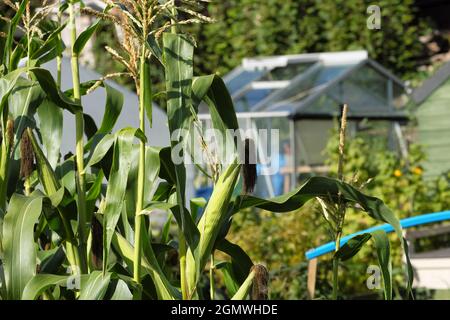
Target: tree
[{"x": 247, "y": 28}]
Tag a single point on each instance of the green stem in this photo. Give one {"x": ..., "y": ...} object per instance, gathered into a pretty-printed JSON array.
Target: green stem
[
  {"x": 59, "y": 57},
  {"x": 28, "y": 49},
  {"x": 47, "y": 295},
  {"x": 340, "y": 225},
  {"x": 7, "y": 146},
  {"x": 182, "y": 253},
  {"x": 340, "y": 203},
  {"x": 141, "y": 175},
  {"x": 180, "y": 200},
  {"x": 27, "y": 185},
  {"x": 73, "y": 254},
  {"x": 211, "y": 278},
  {"x": 336, "y": 266},
  {"x": 4, "y": 161},
  {"x": 173, "y": 21},
  {"x": 79, "y": 123}
]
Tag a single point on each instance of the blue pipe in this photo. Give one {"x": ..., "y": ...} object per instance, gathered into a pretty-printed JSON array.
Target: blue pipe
[{"x": 405, "y": 223}]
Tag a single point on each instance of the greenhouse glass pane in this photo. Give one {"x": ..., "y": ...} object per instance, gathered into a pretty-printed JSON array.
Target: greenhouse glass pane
[
  {"x": 365, "y": 91},
  {"x": 400, "y": 98},
  {"x": 275, "y": 156},
  {"x": 377, "y": 134},
  {"x": 251, "y": 98},
  {"x": 329, "y": 73},
  {"x": 243, "y": 78},
  {"x": 286, "y": 73},
  {"x": 311, "y": 140},
  {"x": 299, "y": 91},
  {"x": 325, "y": 104}
]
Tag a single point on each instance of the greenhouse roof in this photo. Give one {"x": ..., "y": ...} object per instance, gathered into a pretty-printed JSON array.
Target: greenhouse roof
[{"x": 314, "y": 85}]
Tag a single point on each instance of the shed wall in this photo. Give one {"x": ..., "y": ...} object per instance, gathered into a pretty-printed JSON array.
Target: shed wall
[{"x": 433, "y": 118}]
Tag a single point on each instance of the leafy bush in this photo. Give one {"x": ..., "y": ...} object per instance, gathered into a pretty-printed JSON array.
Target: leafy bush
[{"x": 275, "y": 27}]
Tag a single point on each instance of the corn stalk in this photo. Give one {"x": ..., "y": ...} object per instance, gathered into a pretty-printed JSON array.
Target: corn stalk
[{"x": 79, "y": 136}]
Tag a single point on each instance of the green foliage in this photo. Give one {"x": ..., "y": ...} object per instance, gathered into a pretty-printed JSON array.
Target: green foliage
[
  {"x": 280, "y": 241},
  {"x": 399, "y": 181},
  {"x": 384, "y": 173},
  {"x": 247, "y": 28}
]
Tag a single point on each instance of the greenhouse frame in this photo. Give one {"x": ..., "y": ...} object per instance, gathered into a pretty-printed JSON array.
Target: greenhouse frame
[{"x": 302, "y": 96}]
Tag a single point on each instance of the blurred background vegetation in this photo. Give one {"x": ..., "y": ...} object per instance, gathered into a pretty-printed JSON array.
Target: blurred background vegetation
[
  {"x": 259, "y": 28},
  {"x": 410, "y": 42}
]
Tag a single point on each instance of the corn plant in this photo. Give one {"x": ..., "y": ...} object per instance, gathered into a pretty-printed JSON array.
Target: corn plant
[{"x": 78, "y": 226}]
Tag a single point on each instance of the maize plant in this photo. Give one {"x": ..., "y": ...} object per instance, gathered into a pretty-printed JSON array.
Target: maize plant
[{"x": 77, "y": 226}]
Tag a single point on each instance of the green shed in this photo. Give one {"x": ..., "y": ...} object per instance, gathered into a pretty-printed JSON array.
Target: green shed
[{"x": 433, "y": 116}]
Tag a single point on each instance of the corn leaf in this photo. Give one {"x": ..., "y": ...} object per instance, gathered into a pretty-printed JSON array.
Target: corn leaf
[
  {"x": 240, "y": 261},
  {"x": 46, "y": 175},
  {"x": 382, "y": 246},
  {"x": 50, "y": 43},
  {"x": 190, "y": 232},
  {"x": 3, "y": 293},
  {"x": 84, "y": 37},
  {"x": 200, "y": 87},
  {"x": 352, "y": 247},
  {"x": 229, "y": 278},
  {"x": 117, "y": 183},
  {"x": 101, "y": 149},
  {"x": 51, "y": 125},
  {"x": 7, "y": 85},
  {"x": 125, "y": 250},
  {"x": 58, "y": 218},
  {"x": 214, "y": 92},
  {"x": 53, "y": 262},
  {"x": 113, "y": 108},
  {"x": 22, "y": 104},
  {"x": 381, "y": 242},
  {"x": 244, "y": 289},
  {"x": 153, "y": 45},
  {"x": 121, "y": 291},
  {"x": 49, "y": 85},
  {"x": 167, "y": 169},
  {"x": 41, "y": 282},
  {"x": 11, "y": 32},
  {"x": 94, "y": 287},
  {"x": 178, "y": 55},
  {"x": 18, "y": 242}
]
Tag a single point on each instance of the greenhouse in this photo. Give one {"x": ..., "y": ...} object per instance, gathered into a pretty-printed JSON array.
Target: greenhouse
[{"x": 301, "y": 95}]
